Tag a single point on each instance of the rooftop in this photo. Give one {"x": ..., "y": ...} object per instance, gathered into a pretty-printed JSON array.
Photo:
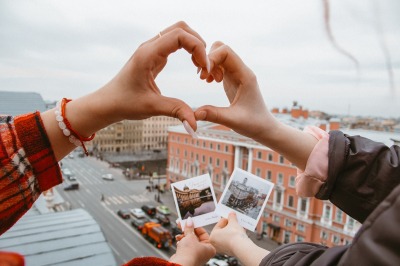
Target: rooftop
[{"x": 60, "y": 238}]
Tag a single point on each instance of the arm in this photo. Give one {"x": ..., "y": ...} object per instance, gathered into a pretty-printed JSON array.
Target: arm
[
  {"x": 229, "y": 238},
  {"x": 247, "y": 113},
  {"x": 31, "y": 145}
]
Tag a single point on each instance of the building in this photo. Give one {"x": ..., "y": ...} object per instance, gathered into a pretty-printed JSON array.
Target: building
[
  {"x": 17, "y": 103},
  {"x": 287, "y": 217},
  {"x": 130, "y": 136}
]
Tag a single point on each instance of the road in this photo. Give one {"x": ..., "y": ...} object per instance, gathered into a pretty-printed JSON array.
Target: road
[{"x": 125, "y": 241}]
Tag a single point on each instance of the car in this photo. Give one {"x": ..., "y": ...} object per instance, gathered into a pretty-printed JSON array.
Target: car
[
  {"x": 216, "y": 262},
  {"x": 163, "y": 210},
  {"x": 138, "y": 223},
  {"x": 175, "y": 230},
  {"x": 67, "y": 172},
  {"x": 138, "y": 213},
  {"x": 149, "y": 210},
  {"x": 123, "y": 213},
  {"x": 71, "y": 156},
  {"x": 71, "y": 186},
  {"x": 162, "y": 219},
  {"x": 71, "y": 178},
  {"x": 108, "y": 177}
]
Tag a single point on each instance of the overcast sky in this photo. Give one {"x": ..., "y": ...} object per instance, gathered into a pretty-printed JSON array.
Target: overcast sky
[{"x": 70, "y": 48}]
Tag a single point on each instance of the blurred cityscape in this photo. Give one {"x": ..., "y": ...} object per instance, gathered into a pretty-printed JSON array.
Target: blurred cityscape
[{"x": 116, "y": 204}]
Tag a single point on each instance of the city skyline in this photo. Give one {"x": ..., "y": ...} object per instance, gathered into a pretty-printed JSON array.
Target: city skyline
[{"x": 68, "y": 49}]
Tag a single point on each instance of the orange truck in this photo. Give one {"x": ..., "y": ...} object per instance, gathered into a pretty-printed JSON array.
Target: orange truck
[{"x": 157, "y": 234}]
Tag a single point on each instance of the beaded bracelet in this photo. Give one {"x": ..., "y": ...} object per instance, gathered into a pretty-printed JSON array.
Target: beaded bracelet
[{"x": 66, "y": 127}]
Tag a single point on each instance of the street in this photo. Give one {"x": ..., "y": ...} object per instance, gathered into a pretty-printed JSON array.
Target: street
[{"x": 125, "y": 241}]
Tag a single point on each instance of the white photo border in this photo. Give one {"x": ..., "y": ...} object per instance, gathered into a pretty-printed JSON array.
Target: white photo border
[
  {"x": 203, "y": 219},
  {"x": 244, "y": 220}
]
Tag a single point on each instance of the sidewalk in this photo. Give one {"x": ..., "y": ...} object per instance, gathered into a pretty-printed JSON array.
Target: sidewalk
[{"x": 265, "y": 242}]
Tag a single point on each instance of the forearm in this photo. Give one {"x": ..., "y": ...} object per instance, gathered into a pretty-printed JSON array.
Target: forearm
[
  {"x": 247, "y": 252},
  {"x": 86, "y": 115},
  {"x": 294, "y": 144}
]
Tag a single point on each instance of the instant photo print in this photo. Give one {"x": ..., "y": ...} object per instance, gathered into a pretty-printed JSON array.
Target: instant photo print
[
  {"x": 245, "y": 194},
  {"x": 195, "y": 197}
]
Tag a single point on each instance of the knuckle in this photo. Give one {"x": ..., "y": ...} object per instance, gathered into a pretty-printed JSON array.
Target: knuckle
[{"x": 182, "y": 24}]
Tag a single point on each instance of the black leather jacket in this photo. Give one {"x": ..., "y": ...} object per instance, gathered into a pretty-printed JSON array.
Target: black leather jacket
[{"x": 363, "y": 181}]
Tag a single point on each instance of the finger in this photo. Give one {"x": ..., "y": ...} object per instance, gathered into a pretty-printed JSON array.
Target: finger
[
  {"x": 179, "y": 38},
  {"x": 232, "y": 217},
  {"x": 219, "y": 115},
  {"x": 181, "y": 25},
  {"x": 221, "y": 223},
  {"x": 174, "y": 108},
  {"x": 201, "y": 234},
  {"x": 189, "y": 227},
  {"x": 179, "y": 237}
]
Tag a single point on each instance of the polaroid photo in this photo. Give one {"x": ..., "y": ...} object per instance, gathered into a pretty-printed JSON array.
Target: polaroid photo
[
  {"x": 245, "y": 194},
  {"x": 195, "y": 197}
]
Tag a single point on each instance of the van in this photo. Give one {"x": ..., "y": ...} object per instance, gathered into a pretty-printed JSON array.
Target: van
[{"x": 72, "y": 186}]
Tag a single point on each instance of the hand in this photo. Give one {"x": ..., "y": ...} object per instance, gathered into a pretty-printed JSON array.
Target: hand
[
  {"x": 226, "y": 234},
  {"x": 193, "y": 248},
  {"x": 247, "y": 113}
]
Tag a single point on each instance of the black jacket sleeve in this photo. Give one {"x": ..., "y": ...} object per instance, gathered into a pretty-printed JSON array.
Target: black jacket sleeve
[{"x": 361, "y": 174}]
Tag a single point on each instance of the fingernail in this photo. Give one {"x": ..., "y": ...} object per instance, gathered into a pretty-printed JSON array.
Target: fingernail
[
  {"x": 189, "y": 222},
  {"x": 201, "y": 115},
  {"x": 198, "y": 70},
  {"x": 208, "y": 64},
  {"x": 177, "y": 221},
  {"x": 189, "y": 129}
]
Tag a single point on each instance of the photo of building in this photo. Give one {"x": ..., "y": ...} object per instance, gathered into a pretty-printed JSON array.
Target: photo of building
[{"x": 194, "y": 202}]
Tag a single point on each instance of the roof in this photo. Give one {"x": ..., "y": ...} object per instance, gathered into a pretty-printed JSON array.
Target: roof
[
  {"x": 17, "y": 103},
  {"x": 211, "y": 131},
  {"x": 60, "y": 238}
]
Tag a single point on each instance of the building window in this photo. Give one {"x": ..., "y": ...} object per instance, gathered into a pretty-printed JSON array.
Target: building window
[
  {"x": 281, "y": 159},
  {"x": 270, "y": 157},
  {"x": 259, "y": 155},
  {"x": 290, "y": 201},
  {"x": 217, "y": 178},
  {"x": 211, "y": 146},
  {"x": 204, "y": 144},
  {"x": 288, "y": 223},
  {"x": 269, "y": 175},
  {"x": 278, "y": 199},
  {"x": 324, "y": 235},
  {"x": 203, "y": 158},
  {"x": 218, "y": 147},
  {"x": 258, "y": 172},
  {"x": 217, "y": 162},
  {"x": 339, "y": 215},
  {"x": 226, "y": 148},
  {"x": 286, "y": 237},
  {"x": 327, "y": 214},
  {"x": 225, "y": 163},
  {"x": 280, "y": 179},
  {"x": 300, "y": 227},
  {"x": 177, "y": 151},
  {"x": 335, "y": 239},
  {"x": 349, "y": 226},
  {"x": 302, "y": 207},
  {"x": 292, "y": 181},
  {"x": 299, "y": 239},
  {"x": 277, "y": 219},
  {"x": 210, "y": 160}
]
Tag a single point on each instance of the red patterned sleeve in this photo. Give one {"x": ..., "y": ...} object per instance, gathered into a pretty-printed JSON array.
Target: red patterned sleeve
[
  {"x": 150, "y": 261},
  {"x": 27, "y": 166}
]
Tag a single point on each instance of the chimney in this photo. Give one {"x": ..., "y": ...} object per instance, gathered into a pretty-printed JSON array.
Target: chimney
[{"x": 296, "y": 112}]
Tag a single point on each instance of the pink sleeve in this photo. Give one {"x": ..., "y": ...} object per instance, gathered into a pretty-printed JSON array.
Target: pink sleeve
[{"x": 310, "y": 181}]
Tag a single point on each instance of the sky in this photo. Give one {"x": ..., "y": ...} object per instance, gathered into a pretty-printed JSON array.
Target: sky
[{"x": 71, "y": 48}]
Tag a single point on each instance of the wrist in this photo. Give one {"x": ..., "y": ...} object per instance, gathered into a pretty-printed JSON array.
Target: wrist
[{"x": 182, "y": 260}]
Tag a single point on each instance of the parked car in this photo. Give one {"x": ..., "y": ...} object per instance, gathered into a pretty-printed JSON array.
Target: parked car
[
  {"x": 231, "y": 261},
  {"x": 138, "y": 213},
  {"x": 71, "y": 156},
  {"x": 108, "y": 177},
  {"x": 216, "y": 262},
  {"x": 149, "y": 210},
  {"x": 163, "y": 210},
  {"x": 67, "y": 172},
  {"x": 138, "y": 223},
  {"x": 175, "y": 230},
  {"x": 162, "y": 219},
  {"x": 72, "y": 178},
  {"x": 123, "y": 213},
  {"x": 71, "y": 186}
]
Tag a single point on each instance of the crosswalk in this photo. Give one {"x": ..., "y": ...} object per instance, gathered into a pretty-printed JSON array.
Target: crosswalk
[{"x": 117, "y": 200}]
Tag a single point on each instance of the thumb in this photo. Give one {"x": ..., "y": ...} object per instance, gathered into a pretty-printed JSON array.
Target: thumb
[
  {"x": 232, "y": 218},
  {"x": 219, "y": 115},
  {"x": 189, "y": 227}
]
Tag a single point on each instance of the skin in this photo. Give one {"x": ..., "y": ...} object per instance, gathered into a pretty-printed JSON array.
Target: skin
[
  {"x": 132, "y": 93},
  {"x": 247, "y": 113},
  {"x": 230, "y": 238},
  {"x": 193, "y": 247}
]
